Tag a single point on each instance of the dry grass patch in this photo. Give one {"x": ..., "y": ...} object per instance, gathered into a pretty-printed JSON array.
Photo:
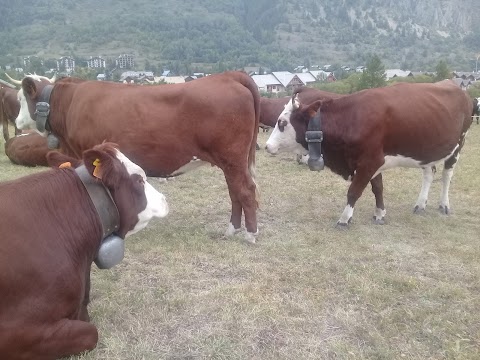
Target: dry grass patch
[{"x": 405, "y": 290}]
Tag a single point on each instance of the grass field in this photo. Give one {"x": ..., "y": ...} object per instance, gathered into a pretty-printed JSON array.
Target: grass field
[{"x": 409, "y": 289}]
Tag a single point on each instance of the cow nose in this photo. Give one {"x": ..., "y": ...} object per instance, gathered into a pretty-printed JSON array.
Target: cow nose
[{"x": 270, "y": 149}]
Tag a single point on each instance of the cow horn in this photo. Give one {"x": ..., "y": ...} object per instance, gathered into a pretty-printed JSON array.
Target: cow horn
[
  {"x": 53, "y": 78},
  {"x": 16, "y": 82}
]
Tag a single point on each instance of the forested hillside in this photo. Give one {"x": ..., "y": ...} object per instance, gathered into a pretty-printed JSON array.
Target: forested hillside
[{"x": 235, "y": 33}]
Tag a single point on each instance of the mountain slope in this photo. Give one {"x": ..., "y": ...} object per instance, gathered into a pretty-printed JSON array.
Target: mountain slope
[{"x": 234, "y": 33}]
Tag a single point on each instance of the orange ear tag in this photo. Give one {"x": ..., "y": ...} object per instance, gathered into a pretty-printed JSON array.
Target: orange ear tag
[
  {"x": 65, "y": 165},
  {"x": 96, "y": 171}
]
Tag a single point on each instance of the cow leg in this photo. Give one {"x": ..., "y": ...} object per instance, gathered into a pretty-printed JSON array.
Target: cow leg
[
  {"x": 236, "y": 216},
  {"x": 86, "y": 299},
  {"x": 4, "y": 125},
  {"x": 360, "y": 181},
  {"x": 67, "y": 337},
  {"x": 17, "y": 131},
  {"x": 377, "y": 189},
  {"x": 421, "y": 203},
  {"x": 444, "y": 200},
  {"x": 242, "y": 191},
  {"x": 447, "y": 174},
  {"x": 63, "y": 338}
]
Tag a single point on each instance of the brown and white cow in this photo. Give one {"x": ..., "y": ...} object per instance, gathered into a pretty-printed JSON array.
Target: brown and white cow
[
  {"x": 53, "y": 224},
  {"x": 27, "y": 149},
  {"x": 366, "y": 133},
  {"x": 166, "y": 129},
  {"x": 9, "y": 107}
]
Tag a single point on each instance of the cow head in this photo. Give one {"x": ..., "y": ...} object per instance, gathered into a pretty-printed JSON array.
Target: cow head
[
  {"x": 28, "y": 95},
  {"x": 137, "y": 201},
  {"x": 289, "y": 132}
]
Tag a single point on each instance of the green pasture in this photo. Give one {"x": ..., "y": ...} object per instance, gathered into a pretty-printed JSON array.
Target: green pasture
[{"x": 409, "y": 289}]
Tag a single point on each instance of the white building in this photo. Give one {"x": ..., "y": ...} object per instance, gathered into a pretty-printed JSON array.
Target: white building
[
  {"x": 66, "y": 64},
  {"x": 96, "y": 62}
]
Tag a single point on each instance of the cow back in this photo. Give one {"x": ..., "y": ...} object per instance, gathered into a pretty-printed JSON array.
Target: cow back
[
  {"x": 27, "y": 150},
  {"x": 159, "y": 127}
]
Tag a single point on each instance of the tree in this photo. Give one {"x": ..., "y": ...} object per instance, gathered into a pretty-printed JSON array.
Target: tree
[
  {"x": 85, "y": 73},
  {"x": 374, "y": 74},
  {"x": 442, "y": 71}
]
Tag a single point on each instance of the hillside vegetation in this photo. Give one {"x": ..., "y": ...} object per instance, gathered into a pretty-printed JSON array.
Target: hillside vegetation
[{"x": 236, "y": 33}]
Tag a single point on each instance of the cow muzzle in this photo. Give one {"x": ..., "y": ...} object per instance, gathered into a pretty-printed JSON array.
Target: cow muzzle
[{"x": 272, "y": 150}]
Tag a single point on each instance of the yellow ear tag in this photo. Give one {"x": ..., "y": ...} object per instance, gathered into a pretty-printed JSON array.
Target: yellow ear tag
[
  {"x": 96, "y": 171},
  {"x": 64, "y": 165}
]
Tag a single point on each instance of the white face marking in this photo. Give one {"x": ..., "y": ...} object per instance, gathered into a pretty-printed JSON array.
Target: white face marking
[
  {"x": 24, "y": 120},
  {"x": 281, "y": 141},
  {"x": 157, "y": 205}
]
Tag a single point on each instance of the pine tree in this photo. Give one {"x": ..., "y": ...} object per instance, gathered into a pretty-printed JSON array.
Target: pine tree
[
  {"x": 442, "y": 71},
  {"x": 374, "y": 74}
]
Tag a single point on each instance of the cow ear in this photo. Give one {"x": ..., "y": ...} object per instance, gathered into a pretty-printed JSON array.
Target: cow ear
[
  {"x": 57, "y": 159},
  {"x": 313, "y": 107},
  {"x": 29, "y": 87},
  {"x": 97, "y": 162},
  {"x": 102, "y": 165},
  {"x": 295, "y": 101}
]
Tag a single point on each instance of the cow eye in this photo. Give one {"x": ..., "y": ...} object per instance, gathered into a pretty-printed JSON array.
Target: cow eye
[
  {"x": 281, "y": 125},
  {"x": 138, "y": 178}
]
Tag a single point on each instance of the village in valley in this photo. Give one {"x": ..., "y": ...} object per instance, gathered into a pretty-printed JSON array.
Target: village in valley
[{"x": 269, "y": 83}]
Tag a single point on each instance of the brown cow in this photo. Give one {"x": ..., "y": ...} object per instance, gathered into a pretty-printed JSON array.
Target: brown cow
[
  {"x": 9, "y": 107},
  {"x": 53, "y": 224},
  {"x": 27, "y": 149},
  {"x": 407, "y": 125},
  {"x": 166, "y": 129}
]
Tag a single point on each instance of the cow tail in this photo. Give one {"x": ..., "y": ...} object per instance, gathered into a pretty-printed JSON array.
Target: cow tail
[{"x": 253, "y": 145}]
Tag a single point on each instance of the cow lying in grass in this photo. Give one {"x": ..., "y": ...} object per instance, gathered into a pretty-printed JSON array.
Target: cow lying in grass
[
  {"x": 54, "y": 225},
  {"x": 27, "y": 150}
]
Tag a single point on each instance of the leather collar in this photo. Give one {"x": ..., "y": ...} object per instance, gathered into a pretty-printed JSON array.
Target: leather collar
[
  {"x": 42, "y": 109},
  {"x": 102, "y": 200},
  {"x": 314, "y": 138}
]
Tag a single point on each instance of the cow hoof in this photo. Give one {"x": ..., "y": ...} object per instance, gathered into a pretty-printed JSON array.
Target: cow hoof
[
  {"x": 418, "y": 210},
  {"x": 251, "y": 237},
  {"x": 380, "y": 221},
  {"x": 444, "y": 210},
  {"x": 342, "y": 226},
  {"x": 231, "y": 230}
]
